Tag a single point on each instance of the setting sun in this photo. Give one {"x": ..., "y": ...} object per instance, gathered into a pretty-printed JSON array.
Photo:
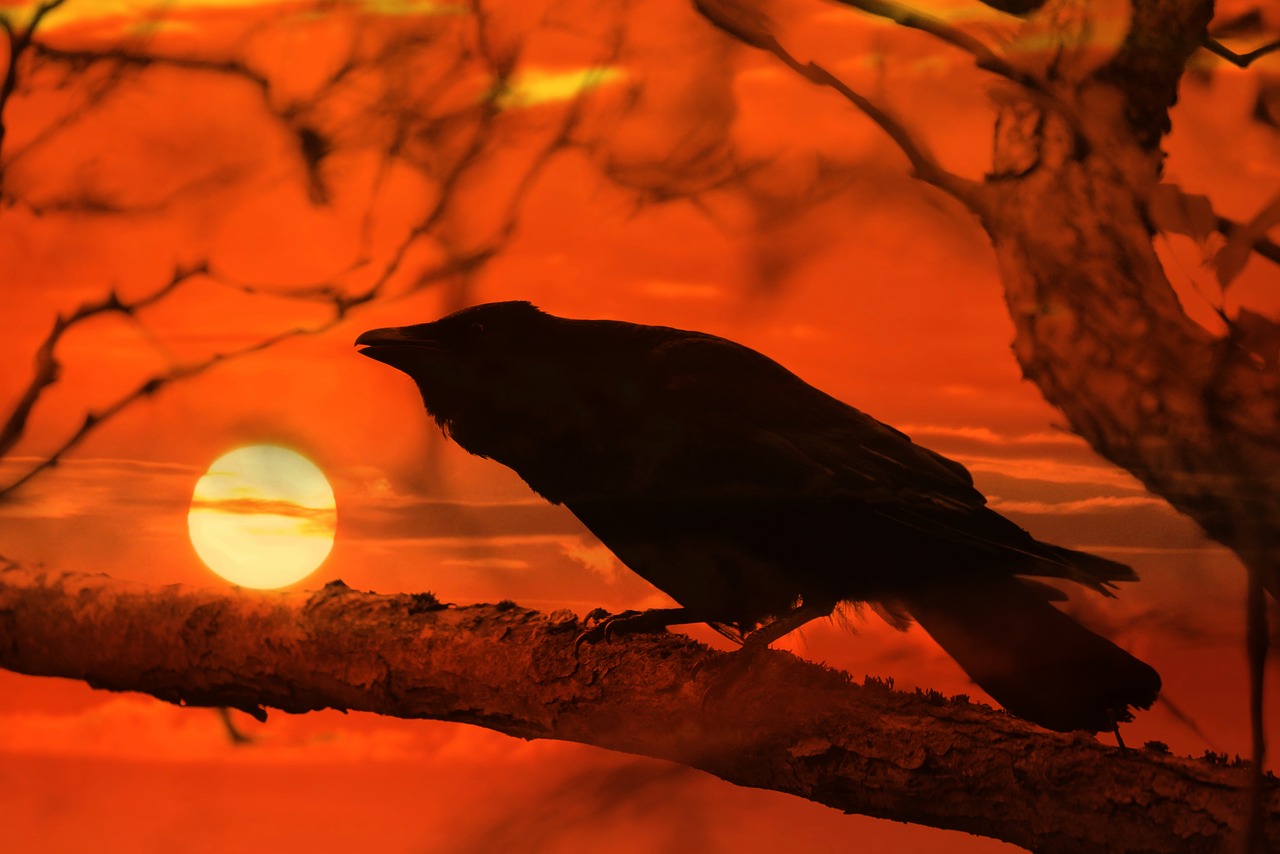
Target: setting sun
[{"x": 262, "y": 516}]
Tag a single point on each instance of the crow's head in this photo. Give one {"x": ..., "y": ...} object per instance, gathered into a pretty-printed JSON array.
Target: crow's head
[
  {"x": 466, "y": 364},
  {"x": 508, "y": 381}
]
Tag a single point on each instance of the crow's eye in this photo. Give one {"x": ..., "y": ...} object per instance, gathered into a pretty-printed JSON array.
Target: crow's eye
[{"x": 476, "y": 330}]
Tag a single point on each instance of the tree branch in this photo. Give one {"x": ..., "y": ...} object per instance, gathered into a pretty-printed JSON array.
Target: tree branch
[
  {"x": 19, "y": 41},
  {"x": 791, "y": 726},
  {"x": 923, "y": 163},
  {"x": 1261, "y": 244},
  {"x": 1240, "y": 60},
  {"x": 987, "y": 59},
  {"x": 47, "y": 365},
  {"x": 1020, "y": 8},
  {"x": 341, "y": 298}
]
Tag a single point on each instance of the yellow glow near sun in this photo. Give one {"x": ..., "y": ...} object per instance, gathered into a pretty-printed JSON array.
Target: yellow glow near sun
[
  {"x": 533, "y": 86},
  {"x": 262, "y": 516},
  {"x": 152, "y": 15}
]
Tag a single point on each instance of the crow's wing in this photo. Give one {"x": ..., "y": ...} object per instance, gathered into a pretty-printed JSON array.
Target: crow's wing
[{"x": 739, "y": 423}]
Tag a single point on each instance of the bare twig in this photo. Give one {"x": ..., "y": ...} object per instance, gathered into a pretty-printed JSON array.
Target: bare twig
[
  {"x": 47, "y": 365},
  {"x": 1263, "y": 246},
  {"x": 97, "y": 418},
  {"x": 923, "y": 163},
  {"x": 986, "y": 58},
  {"x": 121, "y": 59},
  {"x": 19, "y": 41},
  {"x": 341, "y": 297},
  {"x": 1241, "y": 60},
  {"x": 134, "y": 59}
]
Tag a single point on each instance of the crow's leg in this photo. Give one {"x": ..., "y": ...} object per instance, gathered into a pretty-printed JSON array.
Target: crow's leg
[
  {"x": 786, "y": 624},
  {"x": 740, "y": 663}
]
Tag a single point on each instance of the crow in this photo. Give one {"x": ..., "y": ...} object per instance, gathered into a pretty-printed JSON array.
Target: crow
[{"x": 759, "y": 502}]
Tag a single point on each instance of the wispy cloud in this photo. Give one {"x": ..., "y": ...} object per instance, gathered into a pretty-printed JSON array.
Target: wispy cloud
[
  {"x": 445, "y": 541},
  {"x": 665, "y": 289},
  {"x": 594, "y": 556},
  {"x": 1050, "y": 470},
  {"x": 1208, "y": 549},
  {"x": 249, "y": 506},
  {"x": 1098, "y": 504},
  {"x": 103, "y": 465},
  {"x": 486, "y": 563},
  {"x": 987, "y": 436},
  {"x": 79, "y": 487}
]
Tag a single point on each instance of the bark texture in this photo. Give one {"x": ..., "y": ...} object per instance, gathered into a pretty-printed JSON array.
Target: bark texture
[
  {"x": 779, "y": 723},
  {"x": 1195, "y": 416}
]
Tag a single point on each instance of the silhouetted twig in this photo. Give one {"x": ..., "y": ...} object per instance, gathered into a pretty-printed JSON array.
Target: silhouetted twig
[
  {"x": 1240, "y": 60},
  {"x": 924, "y": 164}
]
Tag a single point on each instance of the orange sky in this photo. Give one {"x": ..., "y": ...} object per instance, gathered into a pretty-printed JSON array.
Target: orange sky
[{"x": 703, "y": 187}]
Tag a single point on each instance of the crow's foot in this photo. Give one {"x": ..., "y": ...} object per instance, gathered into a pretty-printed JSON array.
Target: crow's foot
[
  {"x": 605, "y": 629},
  {"x": 630, "y": 623}
]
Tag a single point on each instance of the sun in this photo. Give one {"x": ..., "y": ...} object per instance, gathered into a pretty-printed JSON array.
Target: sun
[{"x": 262, "y": 516}]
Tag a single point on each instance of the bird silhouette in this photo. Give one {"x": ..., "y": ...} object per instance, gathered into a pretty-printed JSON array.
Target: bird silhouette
[{"x": 759, "y": 502}]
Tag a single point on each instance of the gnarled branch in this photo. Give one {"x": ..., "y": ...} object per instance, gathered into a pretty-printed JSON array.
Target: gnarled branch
[{"x": 780, "y": 723}]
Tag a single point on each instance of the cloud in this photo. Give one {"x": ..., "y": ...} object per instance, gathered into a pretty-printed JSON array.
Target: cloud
[
  {"x": 249, "y": 506},
  {"x": 1098, "y": 504},
  {"x": 665, "y": 289},
  {"x": 415, "y": 520},
  {"x": 1110, "y": 548},
  {"x": 486, "y": 563},
  {"x": 1050, "y": 470},
  {"x": 103, "y": 465},
  {"x": 80, "y": 487},
  {"x": 594, "y": 556},
  {"x": 987, "y": 436},
  {"x": 445, "y": 541}
]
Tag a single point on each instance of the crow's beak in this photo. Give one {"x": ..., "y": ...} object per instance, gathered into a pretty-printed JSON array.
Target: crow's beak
[
  {"x": 386, "y": 335},
  {"x": 384, "y": 345}
]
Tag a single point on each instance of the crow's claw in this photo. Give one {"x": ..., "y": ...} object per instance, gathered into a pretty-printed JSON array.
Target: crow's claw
[{"x": 605, "y": 629}]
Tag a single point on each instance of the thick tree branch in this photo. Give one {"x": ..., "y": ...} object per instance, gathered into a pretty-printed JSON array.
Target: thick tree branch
[{"x": 782, "y": 724}]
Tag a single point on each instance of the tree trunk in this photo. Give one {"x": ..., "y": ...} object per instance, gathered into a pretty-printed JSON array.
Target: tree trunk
[
  {"x": 1099, "y": 327},
  {"x": 776, "y": 723}
]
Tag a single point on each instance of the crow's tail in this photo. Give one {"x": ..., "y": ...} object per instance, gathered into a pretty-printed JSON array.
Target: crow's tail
[{"x": 1033, "y": 659}]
